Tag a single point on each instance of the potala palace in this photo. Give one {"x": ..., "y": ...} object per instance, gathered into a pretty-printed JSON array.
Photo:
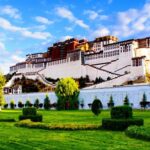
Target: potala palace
[{"x": 105, "y": 57}]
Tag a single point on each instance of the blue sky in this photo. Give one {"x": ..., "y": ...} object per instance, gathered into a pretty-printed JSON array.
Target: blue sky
[{"x": 31, "y": 26}]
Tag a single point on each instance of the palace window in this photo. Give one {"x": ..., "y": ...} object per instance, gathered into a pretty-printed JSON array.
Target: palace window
[{"x": 137, "y": 62}]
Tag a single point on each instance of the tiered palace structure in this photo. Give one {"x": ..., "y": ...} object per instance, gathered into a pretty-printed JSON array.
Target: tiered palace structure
[{"x": 105, "y": 57}]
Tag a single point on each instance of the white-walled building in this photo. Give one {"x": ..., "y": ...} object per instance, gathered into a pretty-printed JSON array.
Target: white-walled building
[{"x": 105, "y": 57}]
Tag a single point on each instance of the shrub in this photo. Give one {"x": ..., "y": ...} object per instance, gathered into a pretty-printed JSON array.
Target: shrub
[
  {"x": 120, "y": 124},
  {"x": 20, "y": 104},
  {"x": 82, "y": 104},
  {"x": 54, "y": 105},
  {"x": 138, "y": 132},
  {"x": 12, "y": 104},
  {"x": 96, "y": 106},
  {"x": 46, "y": 103},
  {"x": 36, "y": 103},
  {"x": 29, "y": 111},
  {"x": 111, "y": 102},
  {"x": 90, "y": 105},
  {"x": 5, "y": 106},
  {"x": 121, "y": 112},
  {"x": 41, "y": 105},
  {"x": 35, "y": 118}
]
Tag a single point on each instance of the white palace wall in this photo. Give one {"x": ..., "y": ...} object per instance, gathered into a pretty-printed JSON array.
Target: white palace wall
[{"x": 68, "y": 69}]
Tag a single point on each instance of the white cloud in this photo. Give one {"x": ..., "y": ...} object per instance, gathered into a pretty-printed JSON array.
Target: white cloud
[
  {"x": 43, "y": 20},
  {"x": 92, "y": 15},
  {"x": 65, "y": 37},
  {"x": 81, "y": 24},
  {"x": 102, "y": 31},
  {"x": 8, "y": 59},
  {"x": 10, "y": 11},
  {"x": 133, "y": 21},
  {"x": 38, "y": 27},
  {"x": 69, "y": 28},
  {"x": 5, "y": 24},
  {"x": 67, "y": 14},
  {"x": 16, "y": 58},
  {"x": 2, "y": 46},
  {"x": 35, "y": 35}
]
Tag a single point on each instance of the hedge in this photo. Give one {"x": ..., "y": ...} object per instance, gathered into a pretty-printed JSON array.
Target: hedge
[
  {"x": 7, "y": 120},
  {"x": 120, "y": 124},
  {"x": 37, "y": 125},
  {"x": 138, "y": 132},
  {"x": 35, "y": 118}
]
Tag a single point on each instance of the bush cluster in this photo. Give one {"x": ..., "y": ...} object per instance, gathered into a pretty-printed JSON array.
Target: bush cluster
[
  {"x": 29, "y": 124},
  {"x": 121, "y": 118},
  {"x": 30, "y": 113},
  {"x": 121, "y": 112},
  {"x": 138, "y": 132}
]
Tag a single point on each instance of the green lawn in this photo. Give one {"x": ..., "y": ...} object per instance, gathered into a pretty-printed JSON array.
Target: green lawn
[{"x": 15, "y": 138}]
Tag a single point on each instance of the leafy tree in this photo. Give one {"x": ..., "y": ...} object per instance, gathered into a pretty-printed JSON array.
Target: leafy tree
[
  {"x": 36, "y": 103},
  {"x": 67, "y": 92},
  {"x": 2, "y": 83},
  {"x": 126, "y": 100},
  {"x": 96, "y": 106},
  {"x": 111, "y": 102},
  {"x": 46, "y": 103}
]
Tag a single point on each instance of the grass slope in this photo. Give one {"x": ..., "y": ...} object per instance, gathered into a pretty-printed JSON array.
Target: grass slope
[{"x": 14, "y": 138}]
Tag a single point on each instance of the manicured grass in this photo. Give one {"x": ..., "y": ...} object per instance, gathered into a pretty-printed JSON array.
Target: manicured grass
[{"x": 14, "y": 138}]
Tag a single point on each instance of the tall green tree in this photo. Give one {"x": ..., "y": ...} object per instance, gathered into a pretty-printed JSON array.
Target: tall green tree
[
  {"x": 126, "y": 100},
  {"x": 36, "y": 103},
  {"x": 111, "y": 102},
  {"x": 2, "y": 83},
  {"x": 67, "y": 92},
  {"x": 143, "y": 103},
  {"x": 46, "y": 103}
]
